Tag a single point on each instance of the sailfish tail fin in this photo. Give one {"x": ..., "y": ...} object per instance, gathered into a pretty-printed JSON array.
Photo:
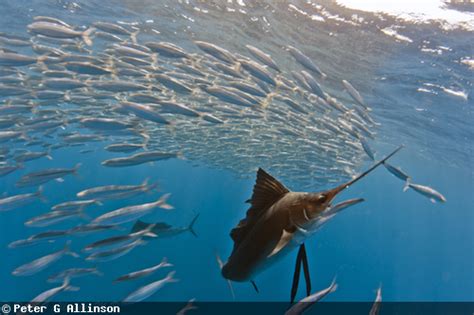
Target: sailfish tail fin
[{"x": 191, "y": 225}]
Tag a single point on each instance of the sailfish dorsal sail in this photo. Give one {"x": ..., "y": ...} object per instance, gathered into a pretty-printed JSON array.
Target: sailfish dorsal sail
[{"x": 266, "y": 191}]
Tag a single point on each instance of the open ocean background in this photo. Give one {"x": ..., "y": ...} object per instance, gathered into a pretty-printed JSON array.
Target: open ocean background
[{"x": 408, "y": 68}]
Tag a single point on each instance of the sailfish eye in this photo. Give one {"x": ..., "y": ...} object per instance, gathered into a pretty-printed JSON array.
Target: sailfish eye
[{"x": 322, "y": 198}]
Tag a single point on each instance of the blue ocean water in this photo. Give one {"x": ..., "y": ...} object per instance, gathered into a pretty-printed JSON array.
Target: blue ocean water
[{"x": 417, "y": 250}]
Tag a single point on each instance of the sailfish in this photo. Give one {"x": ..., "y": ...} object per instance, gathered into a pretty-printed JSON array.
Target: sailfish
[{"x": 277, "y": 222}]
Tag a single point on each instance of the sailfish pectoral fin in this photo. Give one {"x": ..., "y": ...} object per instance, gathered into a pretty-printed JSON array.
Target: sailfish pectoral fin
[{"x": 285, "y": 238}]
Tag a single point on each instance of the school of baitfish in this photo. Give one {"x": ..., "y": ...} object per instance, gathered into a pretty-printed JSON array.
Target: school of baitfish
[{"x": 150, "y": 100}]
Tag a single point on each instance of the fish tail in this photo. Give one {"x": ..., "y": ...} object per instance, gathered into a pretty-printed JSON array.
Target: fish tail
[
  {"x": 49, "y": 156},
  {"x": 66, "y": 285},
  {"x": 76, "y": 168},
  {"x": 148, "y": 231},
  {"x": 145, "y": 182},
  {"x": 97, "y": 272},
  {"x": 146, "y": 140},
  {"x": 191, "y": 225},
  {"x": 221, "y": 264},
  {"x": 68, "y": 251},
  {"x": 40, "y": 195},
  {"x": 86, "y": 36},
  {"x": 145, "y": 137},
  {"x": 25, "y": 137},
  {"x": 41, "y": 59},
  {"x": 133, "y": 37},
  {"x": 334, "y": 285},
  {"x": 267, "y": 100},
  {"x": 170, "y": 277},
  {"x": 149, "y": 76},
  {"x": 67, "y": 96},
  {"x": 407, "y": 184},
  {"x": 154, "y": 65},
  {"x": 162, "y": 202},
  {"x": 165, "y": 263},
  {"x": 66, "y": 281}
]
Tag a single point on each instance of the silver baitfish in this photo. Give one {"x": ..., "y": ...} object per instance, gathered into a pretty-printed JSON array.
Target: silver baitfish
[
  {"x": 46, "y": 295},
  {"x": 301, "y": 306},
  {"x": 139, "y": 158},
  {"x": 59, "y": 31},
  {"x": 117, "y": 191},
  {"x": 144, "y": 272},
  {"x": 149, "y": 289},
  {"x": 41, "y": 263},
  {"x": 429, "y": 192},
  {"x": 131, "y": 213},
  {"x": 41, "y": 177},
  {"x": 13, "y": 202}
]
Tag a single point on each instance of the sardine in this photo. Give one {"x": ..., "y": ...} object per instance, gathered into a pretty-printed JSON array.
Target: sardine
[
  {"x": 308, "y": 301},
  {"x": 166, "y": 49},
  {"x": 75, "y": 205},
  {"x": 216, "y": 51},
  {"x": 304, "y": 60},
  {"x": 59, "y": 31},
  {"x": 354, "y": 93},
  {"x": 378, "y": 301},
  {"x": 13, "y": 202},
  {"x": 16, "y": 60},
  {"x": 263, "y": 57},
  {"x": 131, "y": 213},
  {"x": 144, "y": 272},
  {"x": 41, "y": 263},
  {"x": 46, "y": 295},
  {"x": 54, "y": 217},
  {"x": 41, "y": 177},
  {"x": 120, "y": 240},
  {"x": 429, "y": 192},
  {"x": 143, "y": 111},
  {"x": 115, "y": 253},
  {"x": 125, "y": 147},
  {"x": 149, "y": 289},
  {"x": 397, "y": 172},
  {"x": 139, "y": 158},
  {"x": 116, "y": 191}
]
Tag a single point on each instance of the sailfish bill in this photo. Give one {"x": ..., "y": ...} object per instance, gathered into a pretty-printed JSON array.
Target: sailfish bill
[{"x": 277, "y": 222}]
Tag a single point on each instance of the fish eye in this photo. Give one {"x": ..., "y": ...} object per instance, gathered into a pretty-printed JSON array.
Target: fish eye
[{"x": 322, "y": 198}]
